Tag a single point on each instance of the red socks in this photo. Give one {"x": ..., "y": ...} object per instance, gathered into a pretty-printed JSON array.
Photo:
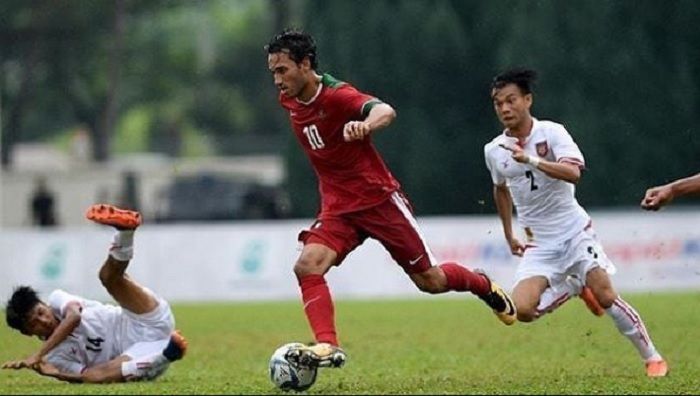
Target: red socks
[
  {"x": 318, "y": 306},
  {"x": 462, "y": 279}
]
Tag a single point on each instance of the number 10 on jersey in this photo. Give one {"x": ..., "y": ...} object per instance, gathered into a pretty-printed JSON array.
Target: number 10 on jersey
[{"x": 314, "y": 137}]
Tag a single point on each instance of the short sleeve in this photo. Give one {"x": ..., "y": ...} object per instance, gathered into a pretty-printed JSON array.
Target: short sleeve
[
  {"x": 65, "y": 358},
  {"x": 497, "y": 178},
  {"x": 356, "y": 104},
  {"x": 564, "y": 148},
  {"x": 59, "y": 299}
]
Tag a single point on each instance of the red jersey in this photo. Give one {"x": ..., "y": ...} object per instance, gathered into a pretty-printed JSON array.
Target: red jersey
[{"x": 352, "y": 176}]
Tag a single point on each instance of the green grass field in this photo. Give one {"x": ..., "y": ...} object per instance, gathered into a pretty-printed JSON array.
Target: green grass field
[{"x": 422, "y": 346}]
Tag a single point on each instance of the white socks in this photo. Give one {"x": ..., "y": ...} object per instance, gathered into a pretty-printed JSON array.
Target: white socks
[
  {"x": 146, "y": 368},
  {"x": 631, "y": 326},
  {"x": 122, "y": 245}
]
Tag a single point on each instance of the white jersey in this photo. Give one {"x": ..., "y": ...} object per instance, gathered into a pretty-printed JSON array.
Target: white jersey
[
  {"x": 547, "y": 208},
  {"x": 93, "y": 341}
]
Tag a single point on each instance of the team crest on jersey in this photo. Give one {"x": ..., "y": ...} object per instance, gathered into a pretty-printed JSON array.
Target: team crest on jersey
[
  {"x": 321, "y": 114},
  {"x": 542, "y": 148}
]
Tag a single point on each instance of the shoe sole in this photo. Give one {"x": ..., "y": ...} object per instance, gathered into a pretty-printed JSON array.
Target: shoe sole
[{"x": 113, "y": 216}]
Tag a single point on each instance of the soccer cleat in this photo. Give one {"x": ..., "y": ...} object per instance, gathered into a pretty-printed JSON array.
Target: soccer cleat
[
  {"x": 656, "y": 368},
  {"x": 176, "y": 348},
  {"x": 316, "y": 355},
  {"x": 121, "y": 219},
  {"x": 591, "y": 302},
  {"x": 499, "y": 301}
]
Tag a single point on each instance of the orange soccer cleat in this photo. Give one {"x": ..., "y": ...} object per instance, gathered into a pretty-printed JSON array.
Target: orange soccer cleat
[
  {"x": 121, "y": 219},
  {"x": 591, "y": 302},
  {"x": 657, "y": 368}
]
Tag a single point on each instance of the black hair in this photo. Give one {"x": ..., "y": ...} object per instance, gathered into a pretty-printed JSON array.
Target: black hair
[
  {"x": 523, "y": 78},
  {"x": 296, "y": 43},
  {"x": 23, "y": 299}
]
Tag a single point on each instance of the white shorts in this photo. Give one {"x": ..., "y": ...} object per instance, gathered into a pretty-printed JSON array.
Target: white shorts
[
  {"x": 152, "y": 326},
  {"x": 145, "y": 349},
  {"x": 576, "y": 256}
]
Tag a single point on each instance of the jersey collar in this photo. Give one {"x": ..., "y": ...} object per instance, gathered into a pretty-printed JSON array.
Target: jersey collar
[
  {"x": 318, "y": 92},
  {"x": 528, "y": 137}
]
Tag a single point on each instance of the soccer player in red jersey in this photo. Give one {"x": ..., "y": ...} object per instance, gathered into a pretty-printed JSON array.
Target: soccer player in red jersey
[{"x": 360, "y": 199}]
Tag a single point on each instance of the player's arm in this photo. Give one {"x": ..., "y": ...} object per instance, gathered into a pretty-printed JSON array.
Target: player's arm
[
  {"x": 560, "y": 170},
  {"x": 504, "y": 205},
  {"x": 659, "y": 196},
  {"x": 557, "y": 170},
  {"x": 63, "y": 330},
  {"x": 100, "y": 374},
  {"x": 380, "y": 116}
]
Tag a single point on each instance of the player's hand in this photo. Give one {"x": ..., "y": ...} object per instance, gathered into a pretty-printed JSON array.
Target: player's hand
[
  {"x": 657, "y": 197},
  {"x": 47, "y": 369},
  {"x": 356, "y": 130},
  {"x": 32, "y": 361},
  {"x": 516, "y": 248},
  {"x": 517, "y": 153},
  {"x": 14, "y": 365}
]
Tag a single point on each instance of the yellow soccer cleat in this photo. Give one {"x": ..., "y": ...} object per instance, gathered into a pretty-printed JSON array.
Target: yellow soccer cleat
[{"x": 499, "y": 301}]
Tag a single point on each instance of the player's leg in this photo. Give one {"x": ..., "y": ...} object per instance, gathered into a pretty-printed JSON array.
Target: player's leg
[
  {"x": 127, "y": 293},
  {"x": 627, "y": 321},
  {"x": 148, "y": 360},
  {"x": 595, "y": 267},
  {"x": 392, "y": 223},
  {"x": 106, "y": 373},
  {"x": 527, "y": 295},
  {"x": 325, "y": 244},
  {"x": 541, "y": 282},
  {"x": 451, "y": 276},
  {"x": 311, "y": 266}
]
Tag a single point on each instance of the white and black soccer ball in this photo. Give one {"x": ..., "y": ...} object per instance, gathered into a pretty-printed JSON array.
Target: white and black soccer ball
[{"x": 287, "y": 376}]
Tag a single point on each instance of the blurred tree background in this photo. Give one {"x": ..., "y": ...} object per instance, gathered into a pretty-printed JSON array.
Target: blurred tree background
[{"x": 189, "y": 78}]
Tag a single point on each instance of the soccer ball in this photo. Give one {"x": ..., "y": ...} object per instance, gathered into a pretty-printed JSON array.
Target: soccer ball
[{"x": 287, "y": 376}]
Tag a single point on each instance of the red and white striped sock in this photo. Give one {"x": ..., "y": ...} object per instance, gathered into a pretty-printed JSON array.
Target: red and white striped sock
[
  {"x": 145, "y": 367},
  {"x": 630, "y": 324}
]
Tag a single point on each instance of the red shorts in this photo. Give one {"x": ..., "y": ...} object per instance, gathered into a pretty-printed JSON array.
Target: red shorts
[{"x": 391, "y": 223}]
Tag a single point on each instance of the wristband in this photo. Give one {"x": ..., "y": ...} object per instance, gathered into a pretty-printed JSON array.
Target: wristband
[{"x": 534, "y": 161}]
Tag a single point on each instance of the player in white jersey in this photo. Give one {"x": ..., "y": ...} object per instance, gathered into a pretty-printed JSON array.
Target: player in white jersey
[
  {"x": 534, "y": 165},
  {"x": 87, "y": 341}
]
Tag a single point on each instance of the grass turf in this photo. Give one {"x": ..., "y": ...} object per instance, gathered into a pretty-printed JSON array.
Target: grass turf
[{"x": 422, "y": 346}]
